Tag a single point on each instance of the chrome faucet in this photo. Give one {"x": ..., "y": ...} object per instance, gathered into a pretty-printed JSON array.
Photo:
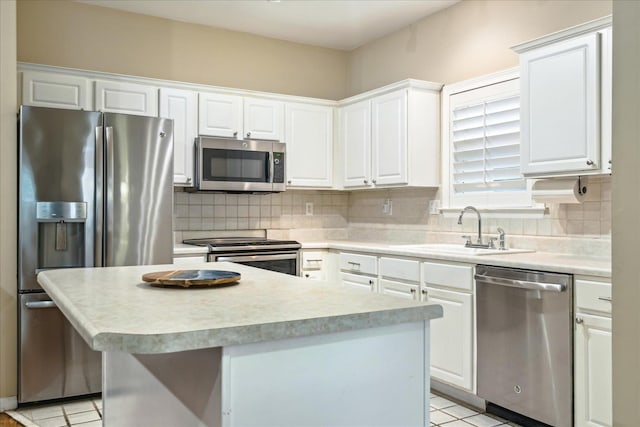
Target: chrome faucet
[{"x": 479, "y": 240}]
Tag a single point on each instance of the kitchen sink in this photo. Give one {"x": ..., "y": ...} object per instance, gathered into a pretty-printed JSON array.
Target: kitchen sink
[{"x": 458, "y": 249}]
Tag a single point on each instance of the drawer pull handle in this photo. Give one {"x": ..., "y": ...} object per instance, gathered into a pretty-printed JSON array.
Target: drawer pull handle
[
  {"x": 354, "y": 264},
  {"x": 314, "y": 260},
  {"x": 605, "y": 299}
]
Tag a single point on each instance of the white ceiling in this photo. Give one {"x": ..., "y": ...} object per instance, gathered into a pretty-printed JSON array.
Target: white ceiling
[{"x": 338, "y": 24}]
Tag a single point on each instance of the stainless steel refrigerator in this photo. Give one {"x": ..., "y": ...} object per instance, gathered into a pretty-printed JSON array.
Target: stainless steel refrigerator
[{"x": 95, "y": 189}]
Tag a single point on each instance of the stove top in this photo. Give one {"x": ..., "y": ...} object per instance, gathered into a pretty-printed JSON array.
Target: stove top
[{"x": 242, "y": 243}]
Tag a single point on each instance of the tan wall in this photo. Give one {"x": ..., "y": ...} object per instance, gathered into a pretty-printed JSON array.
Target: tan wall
[
  {"x": 626, "y": 205},
  {"x": 469, "y": 39},
  {"x": 8, "y": 161},
  {"x": 68, "y": 34}
]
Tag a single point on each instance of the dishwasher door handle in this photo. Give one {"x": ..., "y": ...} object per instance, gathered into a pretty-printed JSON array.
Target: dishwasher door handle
[{"x": 521, "y": 284}]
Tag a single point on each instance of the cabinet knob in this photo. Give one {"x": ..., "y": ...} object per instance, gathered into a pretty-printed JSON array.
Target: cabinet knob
[
  {"x": 371, "y": 282},
  {"x": 413, "y": 291},
  {"x": 235, "y": 134},
  {"x": 424, "y": 292},
  {"x": 366, "y": 181},
  {"x": 188, "y": 179},
  {"x": 590, "y": 163},
  {"x": 373, "y": 180},
  {"x": 248, "y": 134},
  {"x": 306, "y": 275},
  {"x": 162, "y": 134},
  {"x": 289, "y": 182},
  {"x": 579, "y": 320}
]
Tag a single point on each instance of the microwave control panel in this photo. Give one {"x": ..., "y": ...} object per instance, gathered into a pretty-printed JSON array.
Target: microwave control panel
[{"x": 278, "y": 168}]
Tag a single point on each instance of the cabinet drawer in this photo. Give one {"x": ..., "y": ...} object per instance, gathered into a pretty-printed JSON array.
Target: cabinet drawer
[
  {"x": 312, "y": 260},
  {"x": 593, "y": 296},
  {"x": 396, "y": 268},
  {"x": 449, "y": 275},
  {"x": 358, "y": 263}
]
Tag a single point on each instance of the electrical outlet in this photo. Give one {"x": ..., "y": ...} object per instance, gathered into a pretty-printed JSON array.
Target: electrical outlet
[
  {"x": 434, "y": 207},
  {"x": 309, "y": 208},
  {"x": 387, "y": 207}
]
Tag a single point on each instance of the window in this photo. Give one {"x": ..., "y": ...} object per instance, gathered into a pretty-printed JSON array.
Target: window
[{"x": 481, "y": 144}]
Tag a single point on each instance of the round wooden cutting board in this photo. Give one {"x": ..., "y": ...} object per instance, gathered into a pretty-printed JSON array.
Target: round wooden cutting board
[{"x": 187, "y": 278}]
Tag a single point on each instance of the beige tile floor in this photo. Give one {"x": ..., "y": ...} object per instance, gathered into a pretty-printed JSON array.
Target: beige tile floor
[
  {"x": 81, "y": 413},
  {"x": 446, "y": 412},
  {"x": 88, "y": 413}
]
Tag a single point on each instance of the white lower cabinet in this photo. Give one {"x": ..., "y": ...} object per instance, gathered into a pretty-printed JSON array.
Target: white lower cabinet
[
  {"x": 189, "y": 259},
  {"x": 399, "y": 289},
  {"x": 453, "y": 335},
  {"x": 592, "y": 354},
  {"x": 452, "y": 338},
  {"x": 318, "y": 264},
  {"x": 359, "y": 281}
]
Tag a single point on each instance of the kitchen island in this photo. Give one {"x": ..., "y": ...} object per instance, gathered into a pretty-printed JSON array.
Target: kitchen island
[{"x": 270, "y": 350}]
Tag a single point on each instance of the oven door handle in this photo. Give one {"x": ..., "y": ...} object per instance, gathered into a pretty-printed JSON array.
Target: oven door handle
[{"x": 256, "y": 258}]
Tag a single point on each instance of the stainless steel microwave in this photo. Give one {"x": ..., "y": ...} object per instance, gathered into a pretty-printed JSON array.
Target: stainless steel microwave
[{"x": 239, "y": 165}]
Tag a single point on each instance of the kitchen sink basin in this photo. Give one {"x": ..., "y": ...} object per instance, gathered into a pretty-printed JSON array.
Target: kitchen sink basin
[{"x": 458, "y": 249}]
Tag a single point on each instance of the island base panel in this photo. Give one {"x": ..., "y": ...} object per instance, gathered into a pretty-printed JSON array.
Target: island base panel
[{"x": 366, "y": 377}]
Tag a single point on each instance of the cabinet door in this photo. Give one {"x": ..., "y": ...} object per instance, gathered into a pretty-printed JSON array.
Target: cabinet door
[
  {"x": 389, "y": 138},
  {"x": 55, "y": 91},
  {"x": 607, "y": 98},
  {"x": 355, "y": 133},
  {"x": 593, "y": 376},
  {"x": 452, "y": 338},
  {"x": 357, "y": 281},
  {"x": 263, "y": 119},
  {"x": 398, "y": 289},
  {"x": 126, "y": 98},
  {"x": 309, "y": 138},
  {"x": 180, "y": 105},
  {"x": 220, "y": 115},
  {"x": 560, "y": 112}
]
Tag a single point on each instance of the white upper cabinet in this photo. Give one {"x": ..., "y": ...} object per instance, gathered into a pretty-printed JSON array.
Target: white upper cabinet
[
  {"x": 126, "y": 98},
  {"x": 55, "y": 90},
  {"x": 220, "y": 115},
  {"x": 309, "y": 138},
  {"x": 263, "y": 119},
  {"x": 355, "y": 132},
  {"x": 180, "y": 105},
  {"x": 232, "y": 116},
  {"x": 390, "y": 138},
  {"x": 565, "y": 118}
]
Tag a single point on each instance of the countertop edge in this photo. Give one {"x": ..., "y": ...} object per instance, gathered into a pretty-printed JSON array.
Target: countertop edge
[
  {"x": 193, "y": 340},
  {"x": 572, "y": 264}
]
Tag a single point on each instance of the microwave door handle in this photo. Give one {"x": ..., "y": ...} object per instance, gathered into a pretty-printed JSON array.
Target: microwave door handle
[{"x": 269, "y": 166}]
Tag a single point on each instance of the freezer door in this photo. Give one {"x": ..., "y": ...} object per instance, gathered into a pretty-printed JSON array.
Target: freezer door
[
  {"x": 55, "y": 361},
  {"x": 138, "y": 189}
]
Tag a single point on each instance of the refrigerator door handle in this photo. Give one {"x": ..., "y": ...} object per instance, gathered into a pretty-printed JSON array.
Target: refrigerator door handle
[
  {"x": 109, "y": 174},
  {"x": 99, "y": 213},
  {"x": 40, "y": 304}
]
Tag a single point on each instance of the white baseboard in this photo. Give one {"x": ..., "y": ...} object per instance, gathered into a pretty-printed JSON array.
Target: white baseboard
[{"x": 8, "y": 403}]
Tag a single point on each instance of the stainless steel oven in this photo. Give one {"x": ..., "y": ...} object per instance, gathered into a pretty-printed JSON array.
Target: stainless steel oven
[{"x": 282, "y": 256}]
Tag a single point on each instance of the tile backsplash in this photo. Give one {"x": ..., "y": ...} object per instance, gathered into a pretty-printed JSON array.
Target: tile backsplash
[{"x": 360, "y": 216}]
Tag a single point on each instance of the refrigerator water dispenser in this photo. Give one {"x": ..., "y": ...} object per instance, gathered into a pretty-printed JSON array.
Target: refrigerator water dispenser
[{"x": 61, "y": 234}]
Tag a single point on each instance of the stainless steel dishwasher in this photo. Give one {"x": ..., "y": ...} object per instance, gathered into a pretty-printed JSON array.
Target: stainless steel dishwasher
[{"x": 525, "y": 343}]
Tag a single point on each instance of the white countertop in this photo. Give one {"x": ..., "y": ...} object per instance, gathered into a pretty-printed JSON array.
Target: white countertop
[
  {"x": 560, "y": 263},
  {"x": 113, "y": 310}
]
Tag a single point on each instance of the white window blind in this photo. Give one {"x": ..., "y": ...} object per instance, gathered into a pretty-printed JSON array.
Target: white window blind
[{"x": 484, "y": 147}]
